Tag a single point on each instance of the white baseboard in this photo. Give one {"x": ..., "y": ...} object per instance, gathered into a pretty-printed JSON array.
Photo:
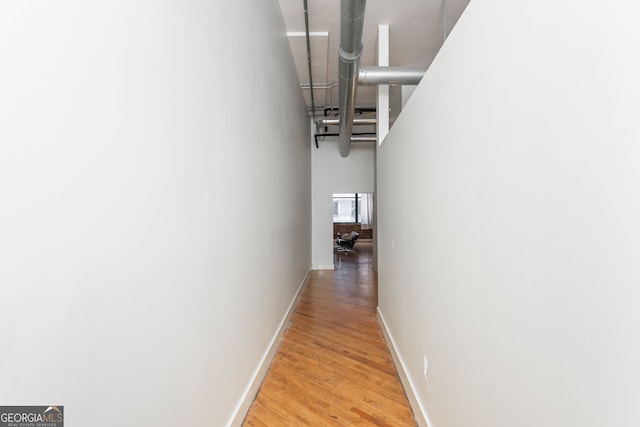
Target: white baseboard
[
  {"x": 256, "y": 380},
  {"x": 419, "y": 411},
  {"x": 323, "y": 267}
]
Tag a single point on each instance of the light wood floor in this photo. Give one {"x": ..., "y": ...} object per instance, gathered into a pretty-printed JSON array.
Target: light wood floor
[{"x": 333, "y": 366}]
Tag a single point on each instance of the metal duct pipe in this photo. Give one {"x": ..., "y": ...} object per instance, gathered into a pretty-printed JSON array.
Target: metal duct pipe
[
  {"x": 363, "y": 138},
  {"x": 390, "y": 75},
  {"x": 306, "y": 26},
  {"x": 334, "y": 122},
  {"x": 351, "y": 23},
  {"x": 324, "y": 86}
]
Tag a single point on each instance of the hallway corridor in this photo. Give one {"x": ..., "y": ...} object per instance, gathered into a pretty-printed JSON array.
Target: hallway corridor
[{"x": 333, "y": 366}]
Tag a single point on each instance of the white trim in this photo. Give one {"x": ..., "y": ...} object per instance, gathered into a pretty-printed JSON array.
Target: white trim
[
  {"x": 419, "y": 411},
  {"x": 251, "y": 391},
  {"x": 323, "y": 267}
]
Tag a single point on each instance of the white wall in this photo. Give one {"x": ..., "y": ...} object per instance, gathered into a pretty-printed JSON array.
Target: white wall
[
  {"x": 509, "y": 209},
  {"x": 331, "y": 174},
  {"x": 152, "y": 156}
]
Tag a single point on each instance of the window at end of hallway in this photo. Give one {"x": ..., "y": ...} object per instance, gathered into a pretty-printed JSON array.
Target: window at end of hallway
[{"x": 347, "y": 207}]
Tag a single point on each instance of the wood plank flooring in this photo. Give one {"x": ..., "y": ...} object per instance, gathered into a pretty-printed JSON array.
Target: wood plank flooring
[{"x": 333, "y": 366}]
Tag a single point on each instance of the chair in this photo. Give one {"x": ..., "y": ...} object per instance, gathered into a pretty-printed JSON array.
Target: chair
[{"x": 346, "y": 241}]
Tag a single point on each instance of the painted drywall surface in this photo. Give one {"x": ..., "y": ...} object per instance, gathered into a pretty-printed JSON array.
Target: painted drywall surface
[
  {"x": 508, "y": 219},
  {"x": 331, "y": 174},
  {"x": 154, "y": 184}
]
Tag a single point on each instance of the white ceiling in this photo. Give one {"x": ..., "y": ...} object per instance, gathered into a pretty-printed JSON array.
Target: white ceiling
[{"x": 416, "y": 30}]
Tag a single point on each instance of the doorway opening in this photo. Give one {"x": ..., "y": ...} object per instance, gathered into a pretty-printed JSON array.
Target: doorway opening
[{"x": 352, "y": 221}]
